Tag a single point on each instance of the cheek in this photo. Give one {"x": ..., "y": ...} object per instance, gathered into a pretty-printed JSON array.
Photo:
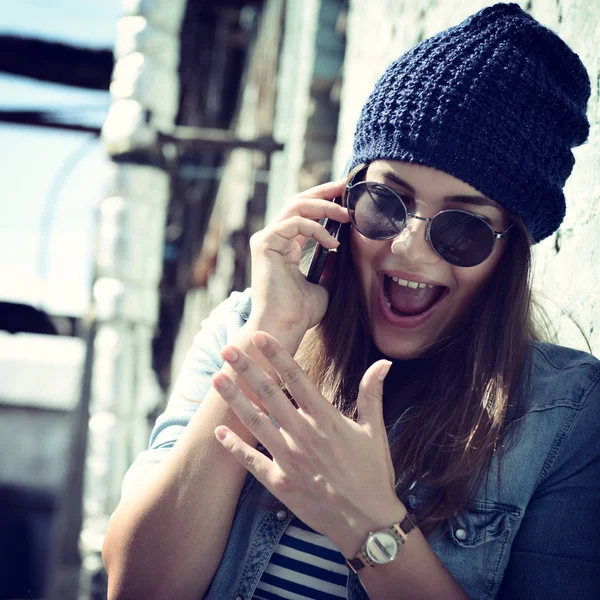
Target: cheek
[{"x": 473, "y": 279}]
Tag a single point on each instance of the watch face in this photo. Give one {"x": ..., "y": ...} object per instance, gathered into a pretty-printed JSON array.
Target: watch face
[{"x": 381, "y": 547}]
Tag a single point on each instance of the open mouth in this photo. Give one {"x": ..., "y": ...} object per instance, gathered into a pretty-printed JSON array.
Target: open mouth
[{"x": 410, "y": 299}]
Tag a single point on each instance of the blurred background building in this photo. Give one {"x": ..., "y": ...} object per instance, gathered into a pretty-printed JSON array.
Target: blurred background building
[{"x": 142, "y": 143}]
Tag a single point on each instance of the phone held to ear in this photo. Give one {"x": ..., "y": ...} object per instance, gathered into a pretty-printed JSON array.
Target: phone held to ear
[{"x": 320, "y": 254}]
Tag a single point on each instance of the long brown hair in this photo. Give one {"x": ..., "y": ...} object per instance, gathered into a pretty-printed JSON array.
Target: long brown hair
[{"x": 460, "y": 399}]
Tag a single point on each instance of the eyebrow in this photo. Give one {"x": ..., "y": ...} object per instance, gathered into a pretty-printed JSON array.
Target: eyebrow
[{"x": 477, "y": 200}]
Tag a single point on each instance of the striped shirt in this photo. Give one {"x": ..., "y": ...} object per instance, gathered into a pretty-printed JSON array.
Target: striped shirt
[{"x": 305, "y": 564}]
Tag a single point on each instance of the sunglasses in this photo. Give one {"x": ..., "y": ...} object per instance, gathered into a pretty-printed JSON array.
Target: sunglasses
[{"x": 461, "y": 238}]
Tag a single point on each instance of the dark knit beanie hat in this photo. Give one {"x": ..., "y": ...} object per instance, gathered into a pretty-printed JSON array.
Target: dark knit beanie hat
[{"x": 497, "y": 101}]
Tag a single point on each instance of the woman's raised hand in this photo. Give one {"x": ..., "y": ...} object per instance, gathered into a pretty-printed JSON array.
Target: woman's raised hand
[
  {"x": 335, "y": 474},
  {"x": 281, "y": 295}
]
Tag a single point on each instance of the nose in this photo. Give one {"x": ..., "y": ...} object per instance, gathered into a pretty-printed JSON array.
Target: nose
[{"x": 412, "y": 242}]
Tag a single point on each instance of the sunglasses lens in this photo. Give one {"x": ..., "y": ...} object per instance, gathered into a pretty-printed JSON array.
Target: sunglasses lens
[
  {"x": 460, "y": 238},
  {"x": 376, "y": 211}
]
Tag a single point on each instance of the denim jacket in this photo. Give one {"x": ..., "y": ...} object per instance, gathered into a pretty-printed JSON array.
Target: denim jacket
[{"x": 533, "y": 532}]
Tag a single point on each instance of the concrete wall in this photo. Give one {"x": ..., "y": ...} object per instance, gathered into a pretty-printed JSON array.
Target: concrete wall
[
  {"x": 567, "y": 264},
  {"x": 293, "y": 99}
]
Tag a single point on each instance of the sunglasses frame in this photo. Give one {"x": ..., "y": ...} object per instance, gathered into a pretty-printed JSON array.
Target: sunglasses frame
[{"x": 352, "y": 183}]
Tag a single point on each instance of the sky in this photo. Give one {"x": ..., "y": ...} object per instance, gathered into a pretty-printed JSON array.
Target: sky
[{"x": 52, "y": 181}]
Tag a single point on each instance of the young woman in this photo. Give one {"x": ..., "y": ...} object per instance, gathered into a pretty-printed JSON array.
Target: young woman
[{"x": 284, "y": 466}]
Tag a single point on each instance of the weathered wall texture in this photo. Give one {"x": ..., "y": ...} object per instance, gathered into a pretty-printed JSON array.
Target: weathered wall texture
[
  {"x": 307, "y": 111},
  {"x": 567, "y": 264}
]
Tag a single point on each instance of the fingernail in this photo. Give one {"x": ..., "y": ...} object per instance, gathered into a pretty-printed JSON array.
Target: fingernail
[
  {"x": 260, "y": 340},
  {"x": 221, "y": 433},
  {"x": 383, "y": 370},
  {"x": 229, "y": 354},
  {"x": 221, "y": 384}
]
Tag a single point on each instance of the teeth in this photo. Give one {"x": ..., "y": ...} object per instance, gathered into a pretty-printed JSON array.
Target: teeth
[{"x": 411, "y": 284}]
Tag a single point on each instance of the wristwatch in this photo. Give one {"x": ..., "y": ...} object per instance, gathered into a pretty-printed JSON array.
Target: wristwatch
[{"x": 382, "y": 546}]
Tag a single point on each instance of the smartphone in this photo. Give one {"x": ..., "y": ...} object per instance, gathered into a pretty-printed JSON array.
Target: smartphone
[{"x": 320, "y": 254}]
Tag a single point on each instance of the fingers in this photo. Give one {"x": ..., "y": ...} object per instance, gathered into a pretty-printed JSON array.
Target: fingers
[
  {"x": 278, "y": 236},
  {"x": 328, "y": 190},
  {"x": 253, "y": 460},
  {"x": 254, "y": 419},
  {"x": 263, "y": 386},
  {"x": 315, "y": 209},
  {"x": 297, "y": 221},
  {"x": 294, "y": 226},
  {"x": 370, "y": 394},
  {"x": 296, "y": 380}
]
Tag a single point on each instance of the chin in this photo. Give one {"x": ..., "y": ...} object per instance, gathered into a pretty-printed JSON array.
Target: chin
[
  {"x": 406, "y": 345},
  {"x": 399, "y": 347}
]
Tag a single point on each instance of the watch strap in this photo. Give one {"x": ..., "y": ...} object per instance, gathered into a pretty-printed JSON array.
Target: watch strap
[
  {"x": 405, "y": 526},
  {"x": 400, "y": 530},
  {"x": 361, "y": 561}
]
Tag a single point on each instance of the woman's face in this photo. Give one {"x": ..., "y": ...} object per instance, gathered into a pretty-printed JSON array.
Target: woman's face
[{"x": 406, "y": 321}]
